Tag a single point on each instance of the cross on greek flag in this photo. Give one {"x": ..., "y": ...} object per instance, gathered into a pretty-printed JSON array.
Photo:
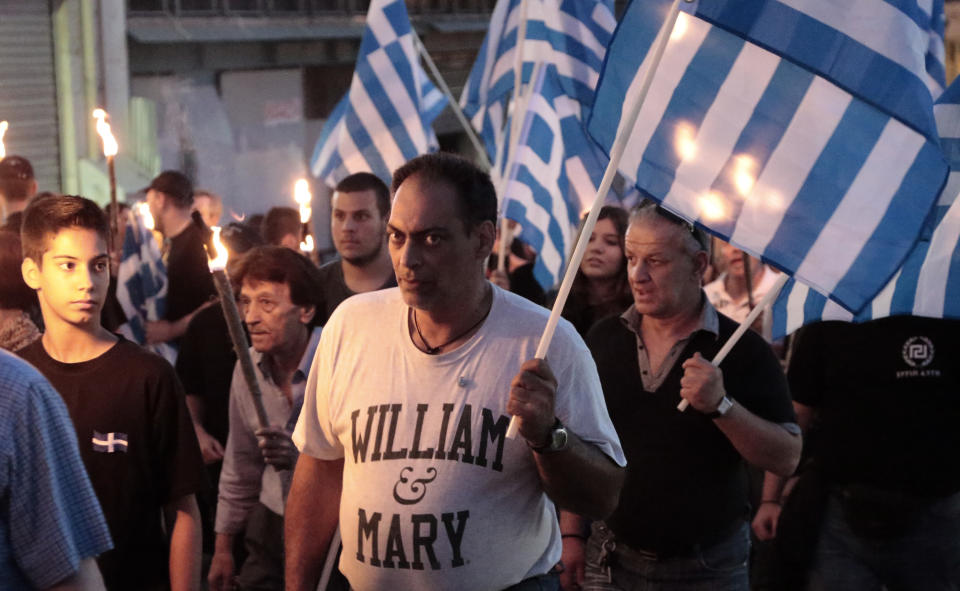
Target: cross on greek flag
[{"x": 110, "y": 442}]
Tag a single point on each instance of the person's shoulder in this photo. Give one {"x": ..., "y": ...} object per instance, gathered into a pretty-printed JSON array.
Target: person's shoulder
[
  {"x": 525, "y": 318},
  {"x": 16, "y": 370},
  {"x": 137, "y": 360},
  {"x": 370, "y": 305}
]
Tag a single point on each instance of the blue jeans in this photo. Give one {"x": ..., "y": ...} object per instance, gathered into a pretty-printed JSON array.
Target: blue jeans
[
  {"x": 924, "y": 557},
  {"x": 612, "y": 566}
]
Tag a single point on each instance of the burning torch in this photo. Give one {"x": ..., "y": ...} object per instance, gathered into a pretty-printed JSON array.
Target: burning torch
[
  {"x": 217, "y": 263},
  {"x": 110, "y": 149},
  {"x": 301, "y": 194}
]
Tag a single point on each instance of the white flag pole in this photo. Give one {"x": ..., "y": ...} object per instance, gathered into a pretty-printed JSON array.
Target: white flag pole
[
  {"x": 454, "y": 104},
  {"x": 757, "y": 310},
  {"x": 616, "y": 153},
  {"x": 331, "y": 562},
  {"x": 514, "y": 131}
]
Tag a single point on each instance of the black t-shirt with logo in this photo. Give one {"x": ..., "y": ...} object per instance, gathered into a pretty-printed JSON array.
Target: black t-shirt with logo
[
  {"x": 138, "y": 446},
  {"x": 887, "y": 396}
]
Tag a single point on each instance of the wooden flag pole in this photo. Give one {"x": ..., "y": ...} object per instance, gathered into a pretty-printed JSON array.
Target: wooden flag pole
[
  {"x": 438, "y": 78},
  {"x": 616, "y": 153},
  {"x": 757, "y": 310}
]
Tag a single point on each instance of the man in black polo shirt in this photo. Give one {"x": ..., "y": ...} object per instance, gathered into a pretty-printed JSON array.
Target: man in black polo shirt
[
  {"x": 681, "y": 522},
  {"x": 190, "y": 286}
]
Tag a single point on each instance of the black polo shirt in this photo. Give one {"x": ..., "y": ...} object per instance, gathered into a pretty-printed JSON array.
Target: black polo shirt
[{"x": 685, "y": 481}]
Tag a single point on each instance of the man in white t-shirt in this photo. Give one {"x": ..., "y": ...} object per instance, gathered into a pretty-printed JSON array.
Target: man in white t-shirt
[{"x": 403, "y": 430}]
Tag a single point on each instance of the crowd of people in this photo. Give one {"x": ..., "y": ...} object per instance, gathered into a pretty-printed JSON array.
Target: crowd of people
[{"x": 376, "y": 434}]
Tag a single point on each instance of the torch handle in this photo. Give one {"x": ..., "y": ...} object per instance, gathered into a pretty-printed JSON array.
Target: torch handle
[
  {"x": 114, "y": 213},
  {"x": 232, "y": 315}
]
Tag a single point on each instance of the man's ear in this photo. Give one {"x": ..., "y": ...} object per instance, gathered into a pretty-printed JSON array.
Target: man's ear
[
  {"x": 31, "y": 273},
  {"x": 700, "y": 262},
  {"x": 306, "y": 314},
  {"x": 487, "y": 232}
]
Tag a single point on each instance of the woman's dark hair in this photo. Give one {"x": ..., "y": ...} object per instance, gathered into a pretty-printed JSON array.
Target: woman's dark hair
[{"x": 620, "y": 218}]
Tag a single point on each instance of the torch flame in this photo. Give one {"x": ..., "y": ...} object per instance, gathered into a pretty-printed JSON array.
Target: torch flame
[
  {"x": 144, "y": 210},
  {"x": 307, "y": 244},
  {"x": 110, "y": 146},
  {"x": 3, "y": 130},
  {"x": 220, "y": 262},
  {"x": 301, "y": 194}
]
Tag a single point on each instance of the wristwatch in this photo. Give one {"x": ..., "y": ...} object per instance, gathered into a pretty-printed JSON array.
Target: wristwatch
[
  {"x": 722, "y": 409},
  {"x": 556, "y": 440}
]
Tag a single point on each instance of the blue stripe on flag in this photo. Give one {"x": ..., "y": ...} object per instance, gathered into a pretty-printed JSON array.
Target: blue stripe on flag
[
  {"x": 922, "y": 177},
  {"x": 707, "y": 72},
  {"x": 770, "y": 118},
  {"x": 828, "y": 52},
  {"x": 837, "y": 167}
]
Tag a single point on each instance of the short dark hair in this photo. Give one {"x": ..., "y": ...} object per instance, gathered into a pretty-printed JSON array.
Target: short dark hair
[
  {"x": 16, "y": 178},
  {"x": 279, "y": 222},
  {"x": 277, "y": 264},
  {"x": 476, "y": 197},
  {"x": 365, "y": 181},
  {"x": 176, "y": 186},
  {"x": 45, "y": 217},
  {"x": 14, "y": 292}
]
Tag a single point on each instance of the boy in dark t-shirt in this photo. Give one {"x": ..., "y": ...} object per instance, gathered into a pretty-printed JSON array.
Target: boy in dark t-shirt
[{"x": 127, "y": 406}]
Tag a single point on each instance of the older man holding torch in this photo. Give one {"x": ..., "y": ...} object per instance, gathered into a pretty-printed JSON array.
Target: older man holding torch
[
  {"x": 681, "y": 521},
  {"x": 278, "y": 300}
]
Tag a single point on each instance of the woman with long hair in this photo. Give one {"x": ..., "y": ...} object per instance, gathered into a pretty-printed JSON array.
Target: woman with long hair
[{"x": 600, "y": 288}]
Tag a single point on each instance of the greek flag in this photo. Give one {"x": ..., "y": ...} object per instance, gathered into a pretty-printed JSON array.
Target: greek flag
[
  {"x": 554, "y": 176},
  {"x": 928, "y": 283},
  {"x": 801, "y": 131},
  {"x": 385, "y": 118},
  {"x": 142, "y": 284},
  {"x": 570, "y": 34}
]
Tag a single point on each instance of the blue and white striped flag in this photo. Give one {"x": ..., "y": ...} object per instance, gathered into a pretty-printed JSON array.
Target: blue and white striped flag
[
  {"x": 570, "y": 34},
  {"x": 142, "y": 285},
  {"x": 385, "y": 118},
  {"x": 928, "y": 283},
  {"x": 801, "y": 131},
  {"x": 554, "y": 176}
]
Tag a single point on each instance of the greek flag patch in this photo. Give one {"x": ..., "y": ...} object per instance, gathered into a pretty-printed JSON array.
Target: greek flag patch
[{"x": 109, "y": 442}]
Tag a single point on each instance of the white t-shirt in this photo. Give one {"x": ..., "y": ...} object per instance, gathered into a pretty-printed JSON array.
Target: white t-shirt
[
  {"x": 434, "y": 497},
  {"x": 716, "y": 292}
]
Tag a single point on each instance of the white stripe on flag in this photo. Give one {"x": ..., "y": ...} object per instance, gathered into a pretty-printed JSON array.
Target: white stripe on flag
[
  {"x": 932, "y": 282},
  {"x": 562, "y": 21},
  {"x": 380, "y": 26},
  {"x": 581, "y": 185},
  {"x": 566, "y": 64},
  {"x": 353, "y": 158},
  {"x": 375, "y": 126},
  {"x": 401, "y": 101},
  {"x": 602, "y": 17},
  {"x": 537, "y": 217},
  {"x": 812, "y": 126},
  {"x": 948, "y": 120},
  {"x": 730, "y": 112},
  {"x": 858, "y": 20},
  {"x": 677, "y": 57},
  {"x": 864, "y": 204}
]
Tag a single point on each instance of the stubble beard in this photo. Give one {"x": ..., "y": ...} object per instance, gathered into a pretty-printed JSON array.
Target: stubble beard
[{"x": 367, "y": 258}]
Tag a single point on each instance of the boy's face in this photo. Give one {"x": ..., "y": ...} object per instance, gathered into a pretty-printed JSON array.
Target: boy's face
[{"x": 72, "y": 280}]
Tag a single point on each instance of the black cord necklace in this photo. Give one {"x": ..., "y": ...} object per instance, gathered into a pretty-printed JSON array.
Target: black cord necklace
[{"x": 434, "y": 350}]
